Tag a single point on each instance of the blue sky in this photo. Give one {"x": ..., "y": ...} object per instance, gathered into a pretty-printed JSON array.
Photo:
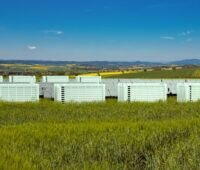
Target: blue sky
[{"x": 113, "y": 30}]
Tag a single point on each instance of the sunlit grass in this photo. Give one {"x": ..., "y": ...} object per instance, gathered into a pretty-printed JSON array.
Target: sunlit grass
[
  {"x": 111, "y": 135},
  {"x": 159, "y": 74}
]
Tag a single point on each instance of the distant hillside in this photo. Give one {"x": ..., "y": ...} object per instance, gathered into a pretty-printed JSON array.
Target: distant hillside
[
  {"x": 104, "y": 63},
  {"x": 84, "y": 63},
  {"x": 187, "y": 62}
]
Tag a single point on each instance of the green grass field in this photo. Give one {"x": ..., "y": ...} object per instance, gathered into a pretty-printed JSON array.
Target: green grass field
[
  {"x": 109, "y": 135},
  {"x": 184, "y": 73}
]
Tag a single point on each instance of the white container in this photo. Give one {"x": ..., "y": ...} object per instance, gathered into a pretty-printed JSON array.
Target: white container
[
  {"x": 22, "y": 79},
  {"x": 142, "y": 92},
  {"x": 47, "y": 85},
  {"x": 1, "y": 79},
  {"x": 88, "y": 79},
  {"x": 79, "y": 92},
  {"x": 55, "y": 79},
  {"x": 47, "y": 90},
  {"x": 188, "y": 92},
  {"x": 14, "y": 92}
]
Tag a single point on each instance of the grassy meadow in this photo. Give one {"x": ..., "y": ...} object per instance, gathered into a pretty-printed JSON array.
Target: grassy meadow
[
  {"x": 110, "y": 135},
  {"x": 159, "y": 74}
]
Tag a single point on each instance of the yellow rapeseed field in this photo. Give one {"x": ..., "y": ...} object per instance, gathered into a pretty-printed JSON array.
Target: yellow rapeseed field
[{"x": 109, "y": 73}]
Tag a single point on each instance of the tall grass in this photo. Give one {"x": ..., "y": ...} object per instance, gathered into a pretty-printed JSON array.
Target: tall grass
[{"x": 107, "y": 135}]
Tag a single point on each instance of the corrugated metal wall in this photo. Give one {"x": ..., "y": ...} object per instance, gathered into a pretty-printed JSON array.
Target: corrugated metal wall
[
  {"x": 19, "y": 92},
  {"x": 142, "y": 92},
  {"x": 79, "y": 92},
  {"x": 188, "y": 92}
]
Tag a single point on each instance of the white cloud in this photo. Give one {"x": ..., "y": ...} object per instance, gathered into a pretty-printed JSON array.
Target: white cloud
[
  {"x": 189, "y": 39},
  {"x": 31, "y": 47},
  {"x": 56, "y": 32},
  {"x": 186, "y": 33},
  {"x": 167, "y": 38}
]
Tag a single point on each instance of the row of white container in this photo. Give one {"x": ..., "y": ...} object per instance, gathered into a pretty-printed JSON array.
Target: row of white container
[
  {"x": 111, "y": 84},
  {"x": 78, "y": 79},
  {"x": 74, "y": 92},
  {"x": 139, "y": 92},
  {"x": 19, "y": 79},
  {"x": 89, "y": 92},
  {"x": 52, "y": 79},
  {"x": 84, "y": 92},
  {"x": 150, "y": 92}
]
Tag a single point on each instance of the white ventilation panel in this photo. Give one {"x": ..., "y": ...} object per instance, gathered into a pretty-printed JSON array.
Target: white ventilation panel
[
  {"x": 19, "y": 92},
  {"x": 79, "y": 92},
  {"x": 22, "y": 79},
  {"x": 188, "y": 92},
  {"x": 88, "y": 79},
  {"x": 142, "y": 92},
  {"x": 55, "y": 79}
]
